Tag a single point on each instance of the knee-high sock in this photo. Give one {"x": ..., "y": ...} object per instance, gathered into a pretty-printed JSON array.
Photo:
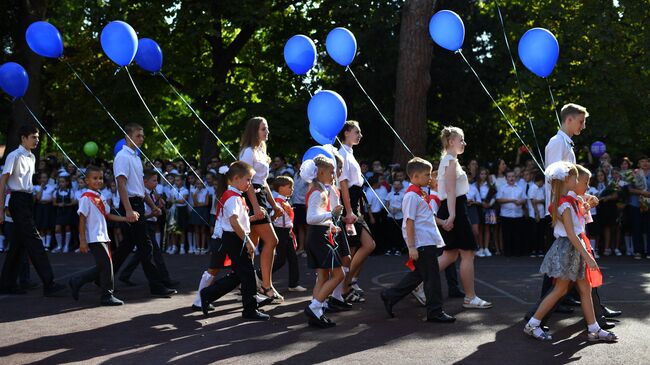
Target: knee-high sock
[
  {"x": 190, "y": 240},
  {"x": 48, "y": 240},
  {"x": 158, "y": 239},
  {"x": 68, "y": 236},
  {"x": 59, "y": 240},
  {"x": 206, "y": 280}
]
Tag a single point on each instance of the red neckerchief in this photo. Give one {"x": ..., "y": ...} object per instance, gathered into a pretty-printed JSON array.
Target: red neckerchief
[
  {"x": 593, "y": 276},
  {"x": 97, "y": 201},
  {"x": 287, "y": 208},
  {"x": 435, "y": 198},
  {"x": 222, "y": 202}
]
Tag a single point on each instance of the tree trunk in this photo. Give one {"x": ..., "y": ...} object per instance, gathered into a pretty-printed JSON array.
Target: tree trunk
[
  {"x": 413, "y": 79},
  {"x": 31, "y": 11}
]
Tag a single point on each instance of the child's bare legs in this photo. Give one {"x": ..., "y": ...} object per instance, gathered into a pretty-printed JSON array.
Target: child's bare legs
[
  {"x": 448, "y": 257},
  {"x": 267, "y": 234},
  {"x": 558, "y": 292},
  {"x": 327, "y": 282},
  {"x": 486, "y": 236},
  {"x": 584, "y": 290},
  {"x": 498, "y": 239},
  {"x": 476, "y": 233},
  {"x": 360, "y": 256},
  {"x": 302, "y": 235}
]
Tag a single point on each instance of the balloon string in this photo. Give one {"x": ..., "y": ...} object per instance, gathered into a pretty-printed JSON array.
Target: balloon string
[
  {"x": 126, "y": 135},
  {"x": 379, "y": 111},
  {"x": 521, "y": 93},
  {"x": 498, "y": 107},
  {"x": 197, "y": 116},
  {"x": 50, "y": 136},
  {"x": 557, "y": 116},
  {"x": 168, "y": 140}
]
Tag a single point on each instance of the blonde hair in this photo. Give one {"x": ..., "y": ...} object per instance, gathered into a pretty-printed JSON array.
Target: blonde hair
[
  {"x": 557, "y": 186},
  {"x": 583, "y": 171},
  {"x": 321, "y": 162},
  {"x": 251, "y": 138},
  {"x": 447, "y": 134},
  {"x": 572, "y": 109}
]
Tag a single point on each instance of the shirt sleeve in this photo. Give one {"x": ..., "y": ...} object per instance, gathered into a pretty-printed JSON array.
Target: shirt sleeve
[
  {"x": 563, "y": 207},
  {"x": 247, "y": 156},
  {"x": 314, "y": 217},
  {"x": 84, "y": 207},
  {"x": 120, "y": 166},
  {"x": 553, "y": 152},
  {"x": 230, "y": 208},
  {"x": 345, "y": 171},
  {"x": 8, "y": 167},
  {"x": 499, "y": 194},
  {"x": 410, "y": 207}
]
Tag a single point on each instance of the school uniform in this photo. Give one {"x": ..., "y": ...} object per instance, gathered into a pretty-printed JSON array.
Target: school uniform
[
  {"x": 395, "y": 218},
  {"x": 461, "y": 235},
  {"x": 20, "y": 167},
  {"x": 321, "y": 244},
  {"x": 44, "y": 212},
  {"x": 182, "y": 213},
  {"x": 511, "y": 216},
  {"x": 129, "y": 165},
  {"x": 260, "y": 164},
  {"x": 473, "y": 195},
  {"x": 243, "y": 272},
  {"x": 64, "y": 212},
  {"x": 200, "y": 215},
  {"x": 487, "y": 216},
  {"x": 428, "y": 242},
  {"x": 286, "y": 249},
  {"x": 351, "y": 172},
  {"x": 594, "y": 226}
]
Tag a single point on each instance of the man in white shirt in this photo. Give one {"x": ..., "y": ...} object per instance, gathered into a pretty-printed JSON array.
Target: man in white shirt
[
  {"x": 17, "y": 176},
  {"x": 128, "y": 172}
]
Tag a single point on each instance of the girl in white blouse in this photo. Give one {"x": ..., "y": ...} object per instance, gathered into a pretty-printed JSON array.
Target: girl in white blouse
[
  {"x": 453, "y": 186},
  {"x": 259, "y": 199}
]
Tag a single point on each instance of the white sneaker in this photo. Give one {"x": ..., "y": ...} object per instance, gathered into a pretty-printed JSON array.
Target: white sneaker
[
  {"x": 607, "y": 252},
  {"x": 57, "y": 249},
  {"x": 182, "y": 250},
  {"x": 297, "y": 288},
  {"x": 487, "y": 252},
  {"x": 596, "y": 255},
  {"x": 418, "y": 293},
  {"x": 617, "y": 252},
  {"x": 480, "y": 253}
]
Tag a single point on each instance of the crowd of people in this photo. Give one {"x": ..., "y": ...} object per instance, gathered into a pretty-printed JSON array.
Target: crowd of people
[{"x": 333, "y": 210}]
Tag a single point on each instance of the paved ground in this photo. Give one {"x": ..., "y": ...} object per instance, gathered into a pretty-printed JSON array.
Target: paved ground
[{"x": 37, "y": 330}]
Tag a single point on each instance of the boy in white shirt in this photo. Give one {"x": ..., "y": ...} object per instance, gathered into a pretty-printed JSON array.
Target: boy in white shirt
[
  {"x": 424, "y": 241},
  {"x": 93, "y": 234},
  {"x": 512, "y": 198}
]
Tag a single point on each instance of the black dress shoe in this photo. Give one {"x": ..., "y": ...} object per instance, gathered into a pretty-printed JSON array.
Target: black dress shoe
[
  {"x": 255, "y": 316},
  {"x": 111, "y": 301},
  {"x": 205, "y": 303},
  {"x": 456, "y": 293},
  {"x": 611, "y": 313},
  {"x": 53, "y": 289},
  {"x": 74, "y": 289},
  {"x": 342, "y": 305},
  {"x": 174, "y": 284},
  {"x": 563, "y": 309},
  {"x": 605, "y": 325},
  {"x": 570, "y": 302},
  {"x": 13, "y": 291},
  {"x": 163, "y": 292},
  {"x": 127, "y": 282},
  {"x": 322, "y": 322},
  {"x": 442, "y": 317},
  {"x": 387, "y": 305},
  {"x": 196, "y": 308},
  {"x": 545, "y": 328}
]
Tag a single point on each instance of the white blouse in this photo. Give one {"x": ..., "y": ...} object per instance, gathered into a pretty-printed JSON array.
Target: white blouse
[
  {"x": 259, "y": 162},
  {"x": 317, "y": 209},
  {"x": 462, "y": 183},
  {"x": 578, "y": 222},
  {"x": 351, "y": 170}
]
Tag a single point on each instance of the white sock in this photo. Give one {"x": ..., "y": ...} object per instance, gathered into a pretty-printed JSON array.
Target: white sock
[
  {"x": 206, "y": 280},
  {"x": 68, "y": 236},
  {"x": 338, "y": 291},
  {"x": 190, "y": 240},
  {"x": 43, "y": 240},
  {"x": 157, "y": 235},
  {"x": 59, "y": 239},
  {"x": 534, "y": 322},
  {"x": 48, "y": 240},
  {"x": 316, "y": 307},
  {"x": 593, "y": 328}
]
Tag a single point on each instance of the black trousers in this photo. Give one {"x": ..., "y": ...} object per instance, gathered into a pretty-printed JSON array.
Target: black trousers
[
  {"x": 102, "y": 271},
  {"x": 379, "y": 231},
  {"x": 159, "y": 261},
  {"x": 426, "y": 270},
  {"x": 285, "y": 253},
  {"x": 538, "y": 235},
  {"x": 24, "y": 238},
  {"x": 511, "y": 228},
  {"x": 242, "y": 273},
  {"x": 135, "y": 235}
]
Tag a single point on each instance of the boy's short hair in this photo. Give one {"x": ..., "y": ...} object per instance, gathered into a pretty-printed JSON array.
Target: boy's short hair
[
  {"x": 583, "y": 171},
  {"x": 539, "y": 177},
  {"x": 92, "y": 168},
  {"x": 572, "y": 109},
  {"x": 643, "y": 157},
  {"x": 148, "y": 173},
  {"x": 417, "y": 165},
  {"x": 26, "y": 130},
  {"x": 509, "y": 172},
  {"x": 281, "y": 181},
  {"x": 129, "y": 128},
  {"x": 374, "y": 179}
]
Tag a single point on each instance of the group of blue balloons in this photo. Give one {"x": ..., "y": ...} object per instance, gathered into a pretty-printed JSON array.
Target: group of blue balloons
[
  {"x": 327, "y": 111},
  {"x": 538, "y": 48}
]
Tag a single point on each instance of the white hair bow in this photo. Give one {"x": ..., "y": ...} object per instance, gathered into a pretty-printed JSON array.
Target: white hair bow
[
  {"x": 557, "y": 171},
  {"x": 308, "y": 171},
  {"x": 224, "y": 169}
]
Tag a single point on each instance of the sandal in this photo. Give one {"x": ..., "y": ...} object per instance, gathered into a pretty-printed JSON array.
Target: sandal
[
  {"x": 537, "y": 333},
  {"x": 476, "y": 303},
  {"x": 265, "y": 292},
  {"x": 602, "y": 335},
  {"x": 277, "y": 296},
  {"x": 354, "y": 297}
]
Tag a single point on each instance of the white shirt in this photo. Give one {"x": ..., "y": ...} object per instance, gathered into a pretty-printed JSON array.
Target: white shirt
[
  {"x": 473, "y": 194},
  {"x": 335, "y": 198},
  {"x": 462, "y": 183},
  {"x": 201, "y": 196},
  {"x": 536, "y": 193},
  {"x": 259, "y": 162},
  {"x": 394, "y": 204},
  {"x": 351, "y": 170},
  {"x": 283, "y": 221},
  {"x": 511, "y": 210},
  {"x": 128, "y": 164},
  {"x": 20, "y": 167},
  {"x": 212, "y": 191},
  {"x": 147, "y": 208},
  {"x": 96, "y": 227},
  {"x": 593, "y": 191},
  {"x": 48, "y": 192},
  {"x": 232, "y": 207},
  {"x": 578, "y": 225},
  {"x": 376, "y": 198},
  {"x": 78, "y": 193},
  {"x": 559, "y": 148},
  {"x": 317, "y": 210},
  {"x": 7, "y": 212},
  {"x": 426, "y": 231},
  {"x": 300, "y": 188},
  {"x": 178, "y": 194}
]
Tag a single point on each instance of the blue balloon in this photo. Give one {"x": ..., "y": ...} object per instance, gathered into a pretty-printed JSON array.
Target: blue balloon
[
  {"x": 149, "y": 56},
  {"x": 120, "y": 144},
  {"x": 13, "y": 79},
  {"x": 447, "y": 30},
  {"x": 300, "y": 54},
  {"x": 119, "y": 42},
  {"x": 327, "y": 113},
  {"x": 341, "y": 46},
  {"x": 598, "y": 149},
  {"x": 44, "y": 39},
  {"x": 538, "y": 51},
  {"x": 315, "y": 151},
  {"x": 320, "y": 138}
]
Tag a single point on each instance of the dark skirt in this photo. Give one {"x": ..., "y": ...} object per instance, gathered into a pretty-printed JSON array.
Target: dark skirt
[
  {"x": 461, "y": 236},
  {"x": 320, "y": 253},
  {"x": 473, "y": 214},
  {"x": 356, "y": 202},
  {"x": 64, "y": 216},
  {"x": 200, "y": 216},
  {"x": 342, "y": 241},
  {"x": 262, "y": 202},
  {"x": 182, "y": 217},
  {"x": 43, "y": 215},
  {"x": 300, "y": 214}
]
